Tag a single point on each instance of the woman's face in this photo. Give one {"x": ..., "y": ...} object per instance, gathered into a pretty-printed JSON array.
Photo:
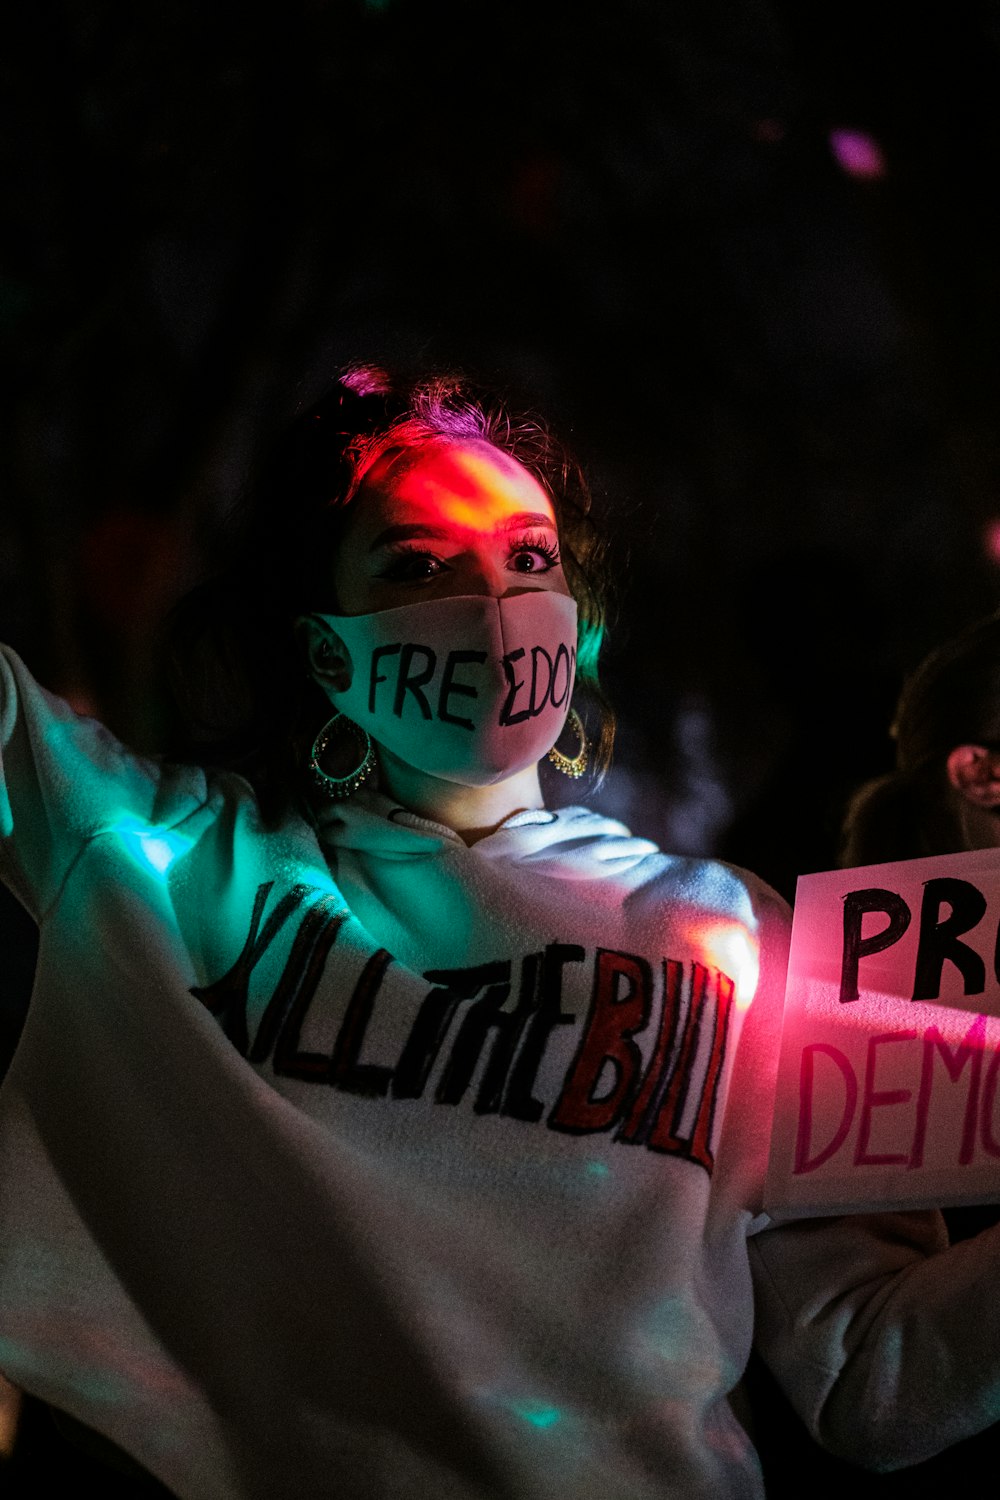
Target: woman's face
[{"x": 450, "y": 518}]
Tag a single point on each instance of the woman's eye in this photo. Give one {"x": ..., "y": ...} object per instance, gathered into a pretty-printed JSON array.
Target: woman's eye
[
  {"x": 412, "y": 567},
  {"x": 530, "y": 561},
  {"x": 534, "y": 557}
]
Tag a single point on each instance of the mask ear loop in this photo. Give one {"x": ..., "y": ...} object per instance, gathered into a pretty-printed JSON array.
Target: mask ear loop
[
  {"x": 576, "y": 765},
  {"x": 339, "y": 787}
]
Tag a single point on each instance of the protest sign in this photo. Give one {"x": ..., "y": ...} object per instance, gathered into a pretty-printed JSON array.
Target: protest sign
[{"x": 888, "y": 1088}]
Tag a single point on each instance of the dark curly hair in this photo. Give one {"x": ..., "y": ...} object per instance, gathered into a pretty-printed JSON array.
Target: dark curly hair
[{"x": 237, "y": 674}]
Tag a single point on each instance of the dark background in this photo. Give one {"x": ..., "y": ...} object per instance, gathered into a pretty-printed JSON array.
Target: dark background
[{"x": 744, "y": 254}]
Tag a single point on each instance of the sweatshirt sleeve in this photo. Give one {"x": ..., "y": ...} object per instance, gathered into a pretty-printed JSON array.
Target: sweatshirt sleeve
[
  {"x": 65, "y": 778},
  {"x": 885, "y": 1339}
]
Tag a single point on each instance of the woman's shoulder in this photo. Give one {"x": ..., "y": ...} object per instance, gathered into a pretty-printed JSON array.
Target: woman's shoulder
[{"x": 581, "y": 844}]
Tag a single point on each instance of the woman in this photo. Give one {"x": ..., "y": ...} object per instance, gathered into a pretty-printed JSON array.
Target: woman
[
  {"x": 376, "y": 1129},
  {"x": 943, "y": 794}
]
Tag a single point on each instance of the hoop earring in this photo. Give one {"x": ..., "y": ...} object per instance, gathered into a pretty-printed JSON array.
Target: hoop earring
[
  {"x": 576, "y": 765},
  {"x": 339, "y": 787}
]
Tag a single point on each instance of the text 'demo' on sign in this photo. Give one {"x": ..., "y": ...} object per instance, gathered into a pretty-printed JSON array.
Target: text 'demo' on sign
[{"x": 888, "y": 1090}]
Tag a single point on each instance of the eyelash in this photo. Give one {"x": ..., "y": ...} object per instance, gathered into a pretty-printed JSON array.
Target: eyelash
[
  {"x": 537, "y": 542},
  {"x": 404, "y": 554}
]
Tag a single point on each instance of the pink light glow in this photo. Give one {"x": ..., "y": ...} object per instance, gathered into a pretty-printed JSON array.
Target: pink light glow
[
  {"x": 857, "y": 153},
  {"x": 991, "y": 539}
]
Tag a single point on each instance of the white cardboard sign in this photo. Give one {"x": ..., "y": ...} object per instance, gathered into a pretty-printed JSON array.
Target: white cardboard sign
[{"x": 888, "y": 1089}]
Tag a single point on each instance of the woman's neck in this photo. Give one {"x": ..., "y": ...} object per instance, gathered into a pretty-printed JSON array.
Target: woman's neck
[{"x": 472, "y": 811}]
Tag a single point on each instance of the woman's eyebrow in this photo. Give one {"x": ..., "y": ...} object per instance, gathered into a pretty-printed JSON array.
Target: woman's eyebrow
[
  {"x": 406, "y": 530},
  {"x": 528, "y": 518}
]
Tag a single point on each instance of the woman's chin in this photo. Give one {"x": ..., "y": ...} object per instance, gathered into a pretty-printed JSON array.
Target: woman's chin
[{"x": 481, "y": 774}]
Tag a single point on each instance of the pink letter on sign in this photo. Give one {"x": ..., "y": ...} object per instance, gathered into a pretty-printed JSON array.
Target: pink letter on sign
[
  {"x": 970, "y": 1050},
  {"x": 990, "y": 1144},
  {"x": 804, "y": 1141},
  {"x": 877, "y": 1099}
]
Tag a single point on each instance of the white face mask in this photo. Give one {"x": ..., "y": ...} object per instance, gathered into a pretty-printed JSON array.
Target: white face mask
[{"x": 471, "y": 689}]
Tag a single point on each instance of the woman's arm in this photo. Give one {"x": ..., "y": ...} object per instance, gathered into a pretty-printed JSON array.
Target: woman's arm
[
  {"x": 65, "y": 778},
  {"x": 885, "y": 1339}
]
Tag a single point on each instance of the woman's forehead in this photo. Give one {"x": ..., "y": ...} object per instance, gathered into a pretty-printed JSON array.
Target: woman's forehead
[{"x": 461, "y": 482}]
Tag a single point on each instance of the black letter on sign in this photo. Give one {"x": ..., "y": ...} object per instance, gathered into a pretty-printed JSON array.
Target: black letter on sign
[
  {"x": 346, "y": 1072},
  {"x": 449, "y": 686},
  {"x": 562, "y": 660},
  {"x": 412, "y": 683},
  {"x": 856, "y": 904},
  {"x": 226, "y": 999},
  {"x": 515, "y": 684},
  {"x": 939, "y": 940},
  {"x": 433, "y": 1019},
  {"x": 282, "y": 1020},
  {"x": 482, "y": 1016},
  {"x": 519, "y": 1100},
  {"x": 376, "y": 677},
  {"x": 539, "y": 702}
]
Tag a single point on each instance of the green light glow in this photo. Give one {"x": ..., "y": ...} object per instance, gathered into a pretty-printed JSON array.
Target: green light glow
[
  {"x": 589, "y": 649},
  {"x": 535, "y": 1413},
  {"x": 597, "y": 1169},
  {"x": 153, "y": 849}
]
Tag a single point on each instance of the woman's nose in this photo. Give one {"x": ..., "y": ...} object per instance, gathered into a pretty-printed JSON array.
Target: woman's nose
[{"x": 488, "y": 574}]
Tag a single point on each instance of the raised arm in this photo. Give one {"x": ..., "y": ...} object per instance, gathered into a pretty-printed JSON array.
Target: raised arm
[{"x": 63, "y": 779}]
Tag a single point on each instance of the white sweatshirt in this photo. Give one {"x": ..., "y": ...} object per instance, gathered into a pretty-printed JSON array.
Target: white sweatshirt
[{"x": 357, "y": 1162}]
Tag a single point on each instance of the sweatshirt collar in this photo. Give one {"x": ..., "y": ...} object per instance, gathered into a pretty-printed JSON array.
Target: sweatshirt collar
[
  {"x": 576, "y": 839},
  {"x": 374, "y": 822}
]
